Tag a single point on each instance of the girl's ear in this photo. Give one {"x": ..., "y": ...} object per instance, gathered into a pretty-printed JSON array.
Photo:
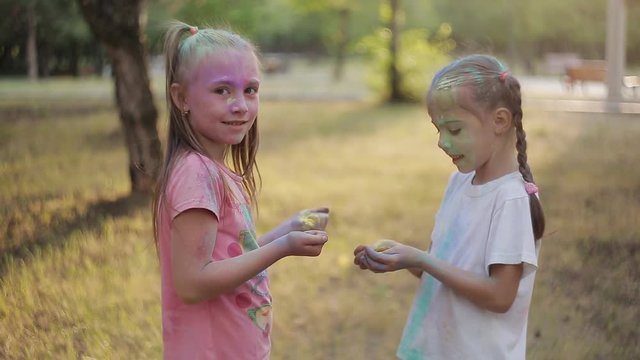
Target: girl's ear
[
  {"x": 502, "y": 120},
  {"x": 178, "y": 97}
]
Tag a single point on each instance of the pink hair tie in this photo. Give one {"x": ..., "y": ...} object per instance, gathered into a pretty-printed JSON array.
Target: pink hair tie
[
  {"x": 531, "y": 188},
  {"x": 193, "y": 30},
  {"x": 503, "y": 75}
]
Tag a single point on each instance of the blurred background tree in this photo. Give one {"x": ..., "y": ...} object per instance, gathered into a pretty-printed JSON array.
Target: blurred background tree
[
  {"x": 46, "y": 37},
  {"x": 522, "y": 30},
  {"x": 41, "y": 38},
  {"x": 117, "y": 24}
]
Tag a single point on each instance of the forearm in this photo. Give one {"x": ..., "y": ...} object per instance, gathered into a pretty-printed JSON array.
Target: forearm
[
  {"x": 484, "y": 291},
  {"x": 275, "y": 233},
  {"x": 219, "y": 277}
]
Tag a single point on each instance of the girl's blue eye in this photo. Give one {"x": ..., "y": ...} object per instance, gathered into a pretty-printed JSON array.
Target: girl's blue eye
[
  {"x": 222, "y": 91},
  {"x": 455, "y": 131},
  {"x": 251, "y": 90}
]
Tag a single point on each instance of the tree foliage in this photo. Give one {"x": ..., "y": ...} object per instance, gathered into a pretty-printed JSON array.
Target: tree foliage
[
  {"x": 421, "y": 54},
  {"x": 64, "y": 43},
  {"x": 523, "y": 29}
]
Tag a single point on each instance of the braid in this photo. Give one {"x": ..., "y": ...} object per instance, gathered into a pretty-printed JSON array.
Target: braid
[
  {"x": 515, "y": 105},
  {"x": 521, "y": 147}
]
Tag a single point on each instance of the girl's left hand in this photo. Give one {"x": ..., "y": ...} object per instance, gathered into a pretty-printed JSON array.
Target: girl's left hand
[
  {"x": 310, "y": 219},
  {"x": 396, "y": 257}
]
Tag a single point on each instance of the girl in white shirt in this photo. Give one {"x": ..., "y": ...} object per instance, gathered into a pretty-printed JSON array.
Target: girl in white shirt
[{"x": 477, "y": 278}]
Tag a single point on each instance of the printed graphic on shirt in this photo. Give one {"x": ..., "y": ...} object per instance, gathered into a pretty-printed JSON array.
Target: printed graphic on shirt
[
  {"x": 261, "y": 316},
  {"x": 248, "y": 240}
]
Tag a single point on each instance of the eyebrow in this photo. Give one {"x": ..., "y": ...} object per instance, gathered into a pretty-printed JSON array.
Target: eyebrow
[
  {"x": 445, "y": 121},
  {"x": 225, "y": 81}
]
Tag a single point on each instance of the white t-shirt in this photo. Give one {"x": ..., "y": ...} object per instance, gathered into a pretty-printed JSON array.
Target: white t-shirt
[{"x": 476, "y": 226}]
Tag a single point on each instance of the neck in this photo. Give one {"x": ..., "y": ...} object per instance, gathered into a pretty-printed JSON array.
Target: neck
[{"x": 502, "y": 162}]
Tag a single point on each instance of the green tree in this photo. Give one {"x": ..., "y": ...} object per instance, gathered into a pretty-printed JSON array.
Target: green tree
[
  {"x": 403, "y": 60},
  {"x": 422, "y": 53}
]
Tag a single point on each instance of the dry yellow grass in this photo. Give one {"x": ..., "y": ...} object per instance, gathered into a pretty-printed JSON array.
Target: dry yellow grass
[{"x": 88, "y": 286}]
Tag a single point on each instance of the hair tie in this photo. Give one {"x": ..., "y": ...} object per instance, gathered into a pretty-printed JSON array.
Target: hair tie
[
  {"x": 503, "y": 75},
  {"x": 193, "y": 30},
  {"x": 531, "y": 188}
]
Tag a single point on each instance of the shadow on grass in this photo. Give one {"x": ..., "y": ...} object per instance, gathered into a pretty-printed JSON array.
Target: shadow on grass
[{"x": 60, "y": 227}]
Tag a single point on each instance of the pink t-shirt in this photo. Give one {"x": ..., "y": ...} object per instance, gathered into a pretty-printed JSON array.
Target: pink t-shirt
[{"x": 235, "y": 325}]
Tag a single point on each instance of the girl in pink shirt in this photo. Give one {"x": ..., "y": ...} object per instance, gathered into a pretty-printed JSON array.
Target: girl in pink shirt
[{"x": 216, "y": 302}]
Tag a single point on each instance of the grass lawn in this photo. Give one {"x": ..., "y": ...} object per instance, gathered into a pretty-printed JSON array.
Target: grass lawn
[{"x": 79, "y": 273}]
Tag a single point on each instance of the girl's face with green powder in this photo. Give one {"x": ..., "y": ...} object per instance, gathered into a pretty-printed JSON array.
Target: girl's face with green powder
[{"x": 463, "y": 132}]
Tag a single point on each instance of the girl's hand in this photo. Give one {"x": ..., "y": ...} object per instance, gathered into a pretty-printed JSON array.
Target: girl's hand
[
  {"x": 391, "y": 256},
  {"x": 303, "y": 243},
  {"x": 310, "y": 219},
  {"x": 360, "y": 257}
]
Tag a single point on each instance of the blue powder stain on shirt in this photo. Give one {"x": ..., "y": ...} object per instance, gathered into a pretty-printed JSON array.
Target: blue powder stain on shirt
[{"x": 442, "y": 250}]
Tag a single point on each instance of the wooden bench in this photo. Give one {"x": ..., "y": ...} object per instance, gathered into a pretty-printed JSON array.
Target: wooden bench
[{"x": 585, "y": 70}]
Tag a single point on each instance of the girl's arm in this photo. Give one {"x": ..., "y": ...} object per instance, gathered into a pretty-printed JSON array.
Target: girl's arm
[
  {"x": 197, "y": 278},
  {"x": 310, "y": 219},
  {"x": 495, "y": 293}
]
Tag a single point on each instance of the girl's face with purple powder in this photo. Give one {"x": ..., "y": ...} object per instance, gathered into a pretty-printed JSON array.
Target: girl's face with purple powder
[
  {"x": 464, "y": 133},
  {"x": 221, "y": 94}
]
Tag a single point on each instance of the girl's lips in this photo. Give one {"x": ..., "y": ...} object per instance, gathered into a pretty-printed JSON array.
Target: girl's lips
[
  {"x": 456, "y": 157},
  {"x": 234, "y": 123}
]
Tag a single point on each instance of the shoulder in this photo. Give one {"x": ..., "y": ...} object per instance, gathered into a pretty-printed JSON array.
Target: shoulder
[
  {"x": 194, "y": 182},
  {"x": 193, "y": 170},
  {"x": 193, "y": 162},
  {"x": 512, "y": 188},
  {"x": 194, "y": 167}
]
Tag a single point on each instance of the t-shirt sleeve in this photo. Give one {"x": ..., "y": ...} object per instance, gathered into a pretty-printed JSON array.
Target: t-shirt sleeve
[
  {"x": 511, "y": 237},
  {"x": 194, "y": 185}
]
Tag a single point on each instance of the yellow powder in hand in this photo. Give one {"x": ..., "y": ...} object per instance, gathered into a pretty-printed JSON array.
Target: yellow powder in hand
[{"x": 382, "y": 245}]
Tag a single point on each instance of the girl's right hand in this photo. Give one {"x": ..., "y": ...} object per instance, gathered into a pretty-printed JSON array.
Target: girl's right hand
[
  {"x": 304, "y": 243},
  {"x": 391, "y": 256},
  {"x": 360, "y": 255}
]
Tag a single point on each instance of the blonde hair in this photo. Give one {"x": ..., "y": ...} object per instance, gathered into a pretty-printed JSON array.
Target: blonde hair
[{"x": 185, "y": 44}]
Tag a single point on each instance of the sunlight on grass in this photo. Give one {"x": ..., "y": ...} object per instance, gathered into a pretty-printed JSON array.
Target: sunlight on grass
[{"x": 80, "y": 274}]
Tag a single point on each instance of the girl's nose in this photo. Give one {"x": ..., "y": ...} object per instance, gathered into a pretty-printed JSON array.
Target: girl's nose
[
  {"x": 442, "y": 143},
  {"x": 239, "y": 106}
]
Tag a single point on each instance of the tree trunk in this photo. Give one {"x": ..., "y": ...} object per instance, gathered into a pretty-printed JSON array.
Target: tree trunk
[
  {"x": 32, "y": 48},
  {"x": 394, "y": 75},
  {"x": 116, "y": 24}
]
